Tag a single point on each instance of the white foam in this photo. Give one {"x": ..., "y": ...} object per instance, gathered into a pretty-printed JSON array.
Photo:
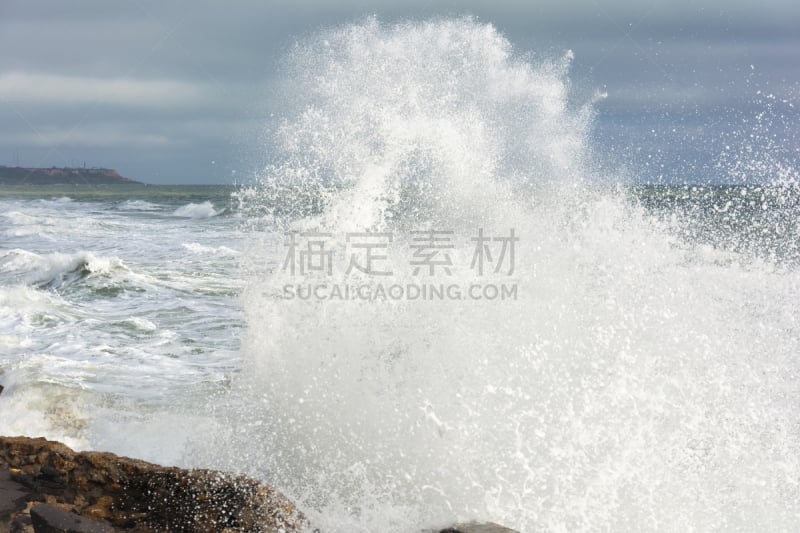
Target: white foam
[
  {"x": 203, "y": 210},
  {"x": 142, "y": 323},
  {"x": 55, "y": 269},
  {"x": 44, "y": 411},
  {"x": 197, "y": 248},
  {"x": 635, "y": 383},
  {"x": 138, "y": 205}
]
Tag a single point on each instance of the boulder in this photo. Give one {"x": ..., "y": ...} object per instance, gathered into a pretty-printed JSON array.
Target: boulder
[
  {"x": 49, "y": 519},
  {"x": 477, "y": 527},
  {"x": 13, "y": 495},
  {"x": 133, "y": 494}
]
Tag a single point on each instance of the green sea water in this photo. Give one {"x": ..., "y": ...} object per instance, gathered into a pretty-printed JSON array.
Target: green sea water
[{"x": 91, "y": 193}]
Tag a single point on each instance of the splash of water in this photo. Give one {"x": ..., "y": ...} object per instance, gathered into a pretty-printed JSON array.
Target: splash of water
[{"x": 637, "y": 383}]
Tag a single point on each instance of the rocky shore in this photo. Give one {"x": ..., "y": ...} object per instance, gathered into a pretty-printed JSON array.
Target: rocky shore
[
  {"x": 50, "y": 486},
  {"x": 46, "y": 487}
]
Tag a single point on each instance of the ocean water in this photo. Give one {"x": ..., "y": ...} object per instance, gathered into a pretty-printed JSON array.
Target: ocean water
[
  {"x": 644, "y": 377},
  {"x": 119, "y": 300}
]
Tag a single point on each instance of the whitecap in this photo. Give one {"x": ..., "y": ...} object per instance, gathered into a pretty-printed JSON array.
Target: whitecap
[
  {"x": 138, "y": 205},
  {"x": 141, "y": 323},
  {"x": 204, "y": 210},
  {"x": 197, "y": 248},
  {"x": 55, "y": 270}
]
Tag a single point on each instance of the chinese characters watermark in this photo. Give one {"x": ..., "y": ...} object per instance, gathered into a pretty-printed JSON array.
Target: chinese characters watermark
[{"x": 429, "y": 254}]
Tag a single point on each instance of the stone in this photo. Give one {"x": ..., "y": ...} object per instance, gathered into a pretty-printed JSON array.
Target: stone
[
  {"x": 478, "y": 527},
  {"x": 47, "y": 518},
  {"x": 100, "y": 508},
  {"x": 145, "y": 497},
  {"x": 13, "y": 495},
  {"x": 22, "y": 524}
]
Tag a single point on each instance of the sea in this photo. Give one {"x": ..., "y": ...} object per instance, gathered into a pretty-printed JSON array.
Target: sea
[{"x": 428, "y": 305}]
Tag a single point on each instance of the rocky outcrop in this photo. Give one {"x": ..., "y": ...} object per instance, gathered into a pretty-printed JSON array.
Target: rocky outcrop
[
  {"x": 46, "y": 518},
  {"x": 62, "y": 176},
  {"x": 46, "y": 487},
  {"x": 132, "y": 495},
  {"x": 477, "y": 527}
]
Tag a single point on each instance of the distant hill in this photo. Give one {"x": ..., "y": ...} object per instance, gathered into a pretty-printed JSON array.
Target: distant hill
[{"x": 61, "y": 176}]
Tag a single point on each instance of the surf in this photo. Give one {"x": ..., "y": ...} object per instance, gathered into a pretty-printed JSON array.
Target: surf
[{"x": 634, "y": 384}]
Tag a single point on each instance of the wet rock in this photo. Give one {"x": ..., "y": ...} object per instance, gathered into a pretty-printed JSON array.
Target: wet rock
[
  {"x": 101, "y": 508},
  {"x": 48, "y": 518},
  {"x": 43, "y": 479},
  {"x": 13, "y": 495},
  {"x": 133, "y": 494},
  {"x": 476, "y": 527},
  {"x": 22, "y": 524}
]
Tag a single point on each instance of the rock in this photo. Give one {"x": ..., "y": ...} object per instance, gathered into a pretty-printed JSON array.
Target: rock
[
  {"x": 45, "y": 480},
  {"x": 476, "y": 527},
  {"x": 47, "y": 518},
  {"x": 22, "y": 524},
  {"x": 134, "y": 494},
  {"x": 13, "y": 495},
  {"x": 63, "y": 176}
]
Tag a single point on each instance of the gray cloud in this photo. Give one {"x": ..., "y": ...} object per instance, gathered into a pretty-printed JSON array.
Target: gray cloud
[
  {"x": 35, "y": 88},
  {"x": 161, "y": 89}
]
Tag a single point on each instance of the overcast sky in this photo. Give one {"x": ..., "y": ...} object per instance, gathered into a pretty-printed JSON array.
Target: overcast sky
[{"x": 175, "y": 91}]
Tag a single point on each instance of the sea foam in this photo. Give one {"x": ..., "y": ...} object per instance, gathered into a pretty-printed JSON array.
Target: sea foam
[{"x": 636, "y": 383}]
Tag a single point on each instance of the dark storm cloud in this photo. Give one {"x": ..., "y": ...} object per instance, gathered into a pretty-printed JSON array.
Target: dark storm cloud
[{"x": 171, "y": 91}]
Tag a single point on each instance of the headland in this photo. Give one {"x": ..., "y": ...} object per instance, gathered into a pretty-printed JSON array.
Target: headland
[{"x": 62, "y": 176}]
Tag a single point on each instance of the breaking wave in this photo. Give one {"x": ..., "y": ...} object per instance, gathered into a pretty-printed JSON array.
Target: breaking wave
[
  {"x": 638, "y": 381},
  {"x": 203, "y": 210},
  {"x": 54, "y": 270}
]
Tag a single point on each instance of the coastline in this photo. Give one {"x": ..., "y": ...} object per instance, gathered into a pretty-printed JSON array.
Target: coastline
[
  {"x": 115, "y": 493},
  {"x": 62, "y": 176},
  {"x": 46, "y": 487}
]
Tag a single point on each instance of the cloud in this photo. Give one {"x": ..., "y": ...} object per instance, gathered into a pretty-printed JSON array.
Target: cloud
[
  {"x": 155, "y": 87},
  {"x": 131, "y": 133},
  {"x": 102, "y": 138},
  {"x": 33, "y": 88}
]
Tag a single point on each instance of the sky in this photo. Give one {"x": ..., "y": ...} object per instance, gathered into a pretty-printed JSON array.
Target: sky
[{"x": 175, "y": 92}]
